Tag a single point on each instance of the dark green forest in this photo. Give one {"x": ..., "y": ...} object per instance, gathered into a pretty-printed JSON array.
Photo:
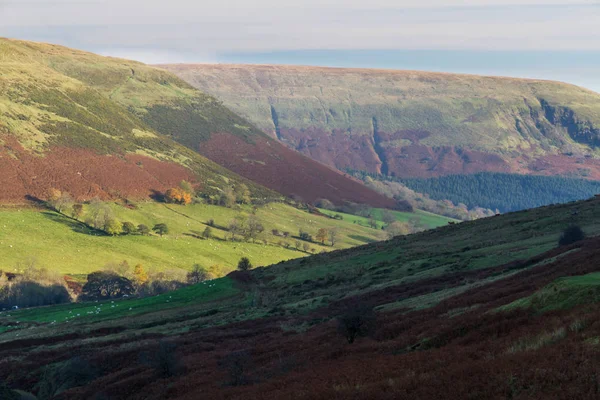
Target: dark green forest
[{"x": 505, "y": 192}]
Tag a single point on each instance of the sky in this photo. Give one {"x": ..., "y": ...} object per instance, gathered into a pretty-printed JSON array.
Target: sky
[{"x": 549, "y": 39}]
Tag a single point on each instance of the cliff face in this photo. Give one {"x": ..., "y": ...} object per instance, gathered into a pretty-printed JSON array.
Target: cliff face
[{"x": 413, "y": 124}]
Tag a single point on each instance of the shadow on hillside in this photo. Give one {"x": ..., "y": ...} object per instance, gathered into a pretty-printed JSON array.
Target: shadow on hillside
[
  {"x": 363, "y": 239},
  {"x": 73, "y": 224}
]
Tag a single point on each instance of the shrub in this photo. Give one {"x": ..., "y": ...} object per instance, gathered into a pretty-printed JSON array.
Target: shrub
[
  {"x": 357, "y": 321},
  {"x": 244, "y": 264},
  {"x": 197, "y": 275},
  {"x": 207, "y": 234},
  {"x": 178, "y": 196},
  {"x": 571, "y": 235}
]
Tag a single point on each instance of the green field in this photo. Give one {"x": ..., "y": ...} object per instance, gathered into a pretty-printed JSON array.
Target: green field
[
  {"x": 65, "y": 245},
  {"x": 425, "y": 218}
]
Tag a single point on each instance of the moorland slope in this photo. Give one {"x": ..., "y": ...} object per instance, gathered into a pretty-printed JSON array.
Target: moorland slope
[{"x": 492, "y": 308}]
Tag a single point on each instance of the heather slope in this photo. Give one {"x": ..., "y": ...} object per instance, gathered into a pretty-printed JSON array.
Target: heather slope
[
  {"x": 414, "y": 124},
  {"x": 61, "y": 127},
  {"x": 478, "y": 309}
]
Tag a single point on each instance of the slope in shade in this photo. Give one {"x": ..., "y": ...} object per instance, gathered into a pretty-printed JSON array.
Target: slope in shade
[{"x": 427, "y": 124}]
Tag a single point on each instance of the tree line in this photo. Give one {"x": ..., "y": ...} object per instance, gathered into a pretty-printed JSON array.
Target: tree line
[{"x": 505, "y": 192}]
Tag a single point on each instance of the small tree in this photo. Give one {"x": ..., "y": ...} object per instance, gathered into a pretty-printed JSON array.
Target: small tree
[
  {"x": 306, "y": 247},
  {"x": 113, "y": 227},
  {"x": 178, "y": 196},
  {"x": 372, "y": 223},
  {"x": 322, "y": 235},
  {"x": 333, "y": 232},
  {"x": 129, "y": 228},
  {"x": 143, "y": 229},
  {"x": 77, "y": 211},
  {"x": 305, "y": 236},
  {"x": 244, "y": 264},
  {"x": 388, "y": 217},
  {"x": 207, "y": 234},
  {"x": 242, "y": 194},
  {"x": 139, "y": 274},
  {"x": 161, "y": 229},
  {"x": 227, "y": 198},
  {"x": 397, "y": 229},
  {"x": 357, "y": 321},
  {"x": 298, "y": 245},
  {"x": 186, "y": 187},
  {"x": 106, "y": 285},
  {"x": 197, "y": 275},
  {"x": 571, "y": 235}
]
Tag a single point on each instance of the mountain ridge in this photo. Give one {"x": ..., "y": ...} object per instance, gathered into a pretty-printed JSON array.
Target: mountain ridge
[{"x": 429, "y": 123}]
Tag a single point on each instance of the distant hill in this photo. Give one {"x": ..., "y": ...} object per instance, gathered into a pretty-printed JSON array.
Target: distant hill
[
  {"x": 414, "y": 124},
  {"x": 110, "y": 127}
]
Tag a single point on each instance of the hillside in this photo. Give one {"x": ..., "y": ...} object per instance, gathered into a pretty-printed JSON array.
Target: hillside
[
  {"x": 492, "y": 308},
  {"x": 100, "y": 126},
  {"x": 414, "y": 124}
]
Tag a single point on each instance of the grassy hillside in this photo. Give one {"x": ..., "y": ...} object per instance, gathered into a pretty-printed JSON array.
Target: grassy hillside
[
  {"x": 69, "y": 247},
  {"x": 65, "y": 123},
  {"x": 414, "y": 124},
  {"x": 484, "y": 304},
  {"x": 69, "y": 105}
]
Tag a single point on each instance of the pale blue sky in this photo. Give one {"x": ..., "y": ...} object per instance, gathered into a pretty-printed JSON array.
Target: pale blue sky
[{"x": 550, "y": 39}]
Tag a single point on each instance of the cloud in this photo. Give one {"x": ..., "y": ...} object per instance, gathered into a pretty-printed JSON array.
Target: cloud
[{"x": 211, "y": 27}]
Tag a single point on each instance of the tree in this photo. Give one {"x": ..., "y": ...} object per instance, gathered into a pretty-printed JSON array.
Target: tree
[
  {"x": 197, "y": 275},
  {"x": 207, "y": 234},
  {"x": 298, "y": 245},
  {"x": 244, "y": 264},
  {"x": 100, "y": 212},
  {"x": 227, "y": 198},
  {"x": 254, "y": 227},
  {"x": 77, "y": 211},
  {"x": 106, "y": 285},
  {"x": 186, "y": 187},
  {"x": 306, "y": 247},
  {"x": 397, "y": 229},
  {"x": 235, "y": 228},
  {"x": 357, "y": 321},
  {"x": 113, "y": 227},
  {"x": 372, "y": 223},
  {"x": 178, "y": 196},
  {"x": 571, "y": 235},
  {"x": 304, "y": 236},
  {"x": 161, "y": 229},
  {"x": 143, "y": 229},
  {"x": 139, "y": 274},
  {"x": 129, "y": 228},
  {"x": 388, "y": 217},
  {"x": 60, "y": 201},
  {"x": 333, "y": 232},
  {"x": 322, "y": 235},
  {"x": 242, "y": 194},
  {"x": 325, "y": 204}
]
